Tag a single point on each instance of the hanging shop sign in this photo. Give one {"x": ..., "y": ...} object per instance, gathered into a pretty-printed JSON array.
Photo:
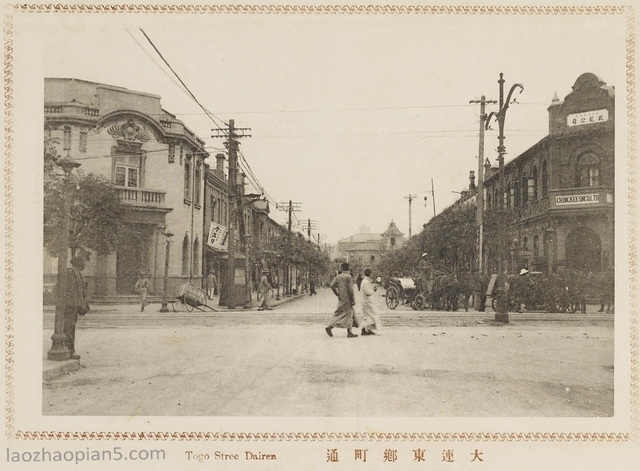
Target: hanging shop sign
[{"x": 217, "y": 236}]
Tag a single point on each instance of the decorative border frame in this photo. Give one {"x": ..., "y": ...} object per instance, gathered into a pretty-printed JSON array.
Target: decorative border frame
[{"x": 632, "y": 204}]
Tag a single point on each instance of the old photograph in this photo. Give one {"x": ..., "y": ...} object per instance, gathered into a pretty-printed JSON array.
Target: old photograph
[{"x": 230, "y": 220}]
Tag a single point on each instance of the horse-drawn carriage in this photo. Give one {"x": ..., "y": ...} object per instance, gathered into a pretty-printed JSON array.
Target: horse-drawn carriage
[
  {"x": 441, "y": 291},
  {"x": 534, "y": 291},
  {"x": 400, "y": 291}
]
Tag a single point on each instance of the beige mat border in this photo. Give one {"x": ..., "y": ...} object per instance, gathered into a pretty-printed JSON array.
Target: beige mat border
[{"x": 632, "y": 202}]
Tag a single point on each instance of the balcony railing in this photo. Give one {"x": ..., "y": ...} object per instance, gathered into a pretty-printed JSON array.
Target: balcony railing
[
  {"x": 72, "y": 109},
  {"x": 141, "y": 196},
  {"x": 533, "y": 208}
]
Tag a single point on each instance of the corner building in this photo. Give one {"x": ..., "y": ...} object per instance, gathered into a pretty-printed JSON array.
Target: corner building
[
  {"x": 157, "y": 165},
  {"x": 561, "y": 190}
]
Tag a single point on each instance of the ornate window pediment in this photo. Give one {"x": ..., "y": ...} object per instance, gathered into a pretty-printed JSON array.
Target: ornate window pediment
[{"x": 129, "y": 131}]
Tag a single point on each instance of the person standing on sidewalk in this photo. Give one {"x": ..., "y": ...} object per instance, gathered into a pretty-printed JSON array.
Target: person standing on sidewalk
[
  {"x": 75, "y": 303},
  {"x": 342, "y": 287},
  {"x": 142, "y": 287},
  {"x": 370, "y": 318},
  {"x": 211, "y": 284},
  {"x": 312, "y": 284},
  {"x": 263, "y": 289}
]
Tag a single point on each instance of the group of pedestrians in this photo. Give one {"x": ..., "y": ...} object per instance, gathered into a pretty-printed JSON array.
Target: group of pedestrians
[{"x": 345, "y": 316}]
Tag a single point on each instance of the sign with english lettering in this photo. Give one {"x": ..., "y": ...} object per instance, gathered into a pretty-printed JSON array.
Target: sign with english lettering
[{"x": 578, "y": 199}]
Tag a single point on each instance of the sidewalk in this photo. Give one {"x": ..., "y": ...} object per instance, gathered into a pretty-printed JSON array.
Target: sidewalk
[
  {"x": 53, "y": 369},
  {"x": 156, "y": 301}
]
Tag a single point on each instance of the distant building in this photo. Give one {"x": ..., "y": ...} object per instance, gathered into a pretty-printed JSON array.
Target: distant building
[
  {"x": 393, "y": 238},
  {"x": 366, "y": 249}
]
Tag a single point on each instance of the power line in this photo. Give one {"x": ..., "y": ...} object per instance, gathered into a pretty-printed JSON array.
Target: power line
[
  {"x": 330, "y": 110},
  {"x": 208, "y": 113}
]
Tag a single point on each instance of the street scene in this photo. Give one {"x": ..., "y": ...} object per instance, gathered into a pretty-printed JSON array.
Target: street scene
[
  {"x": 316, "y": 226},
  {"x": 282, "y": 363}
]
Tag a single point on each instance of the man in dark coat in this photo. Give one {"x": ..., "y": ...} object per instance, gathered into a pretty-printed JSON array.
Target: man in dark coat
[
  {"x": 75, "y": 302},
  {"x": 342, "y": 287}
]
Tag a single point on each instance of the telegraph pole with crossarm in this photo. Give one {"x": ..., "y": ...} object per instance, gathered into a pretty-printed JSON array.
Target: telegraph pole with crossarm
[
  {"x": 290, "y": 207},
  {"x": 480, "y": 195},
  {"x": 232, "y": 134}
]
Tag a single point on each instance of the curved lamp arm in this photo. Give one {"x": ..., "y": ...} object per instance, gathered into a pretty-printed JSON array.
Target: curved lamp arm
[
  {"x": 488, "y": 119},
  {"x": 508, "y": 100}
]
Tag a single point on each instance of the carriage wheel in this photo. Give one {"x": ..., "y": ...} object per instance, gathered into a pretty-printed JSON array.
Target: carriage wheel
[
  {"x": 419, "y": 302},
  {"x": 392, "y": 297},
  {"x": 513, "y": 305},
  {"x": 561, "y": 306}
]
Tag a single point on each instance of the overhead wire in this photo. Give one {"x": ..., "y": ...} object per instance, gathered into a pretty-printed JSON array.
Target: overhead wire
[
  {"x": 207, "y": 112},
  {"x": 210, "y": 115}
]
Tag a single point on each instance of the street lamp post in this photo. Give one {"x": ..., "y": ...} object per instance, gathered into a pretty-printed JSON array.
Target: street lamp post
[
  {"x": 59, "y": 350},
  {"x": 165, "y": 300},
  {"x": 502, "y": 314}
]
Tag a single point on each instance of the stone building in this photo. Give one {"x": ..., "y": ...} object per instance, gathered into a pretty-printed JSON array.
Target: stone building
[
  {"x": 158, "y": 166},
  {"x": 365, "y": 249}
]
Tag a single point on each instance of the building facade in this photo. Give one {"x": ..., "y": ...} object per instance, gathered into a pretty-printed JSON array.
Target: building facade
[
  {"x": 365, "y": 249},
  {"x": 561, "y": 190},
  {"x": 157, "y": 165}
]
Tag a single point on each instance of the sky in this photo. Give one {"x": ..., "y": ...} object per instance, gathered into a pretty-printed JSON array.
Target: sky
[{"x": 350, "y": 114}]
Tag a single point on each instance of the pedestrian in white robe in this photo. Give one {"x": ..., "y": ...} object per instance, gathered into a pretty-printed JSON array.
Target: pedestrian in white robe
[{"x": 370, "y": 317}]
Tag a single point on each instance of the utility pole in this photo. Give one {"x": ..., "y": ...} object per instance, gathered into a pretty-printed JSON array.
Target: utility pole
[
  {"x": 310, "y": 225},
  {"x": 433, "y": 199},
  {"x": 480, "y": 198},
  {"x": 502, "y": 314},
  {"x": 290, "y": 207},
  {"x": 232, "y": 135},
  {"x": 410, "y": 198}
]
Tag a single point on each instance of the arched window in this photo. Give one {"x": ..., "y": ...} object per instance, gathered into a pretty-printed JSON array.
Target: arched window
[
  {"x": 187, "y": 178},
  {"x": 516, "y": 193},
  {"x": 196, "y": 257},
  {"x": 509, "y": 195},
  {"x": 196, "y": 182},
  {"x": 588, "y": 170},
  {"x": 583, "y": 250},
  {"x": 488, "y": 200},
  {"x": 524, "y": 187},
  {"x": 545, "y": 179},
  {"x": 533, "y": 181},
  {"x": 185, "y": 255}
]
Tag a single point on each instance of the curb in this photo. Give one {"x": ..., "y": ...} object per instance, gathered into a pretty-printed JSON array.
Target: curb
[{"x": 52, "y": 369}]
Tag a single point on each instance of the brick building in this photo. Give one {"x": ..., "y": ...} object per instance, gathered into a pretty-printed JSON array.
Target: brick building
[{"x": 561, "y": 190}]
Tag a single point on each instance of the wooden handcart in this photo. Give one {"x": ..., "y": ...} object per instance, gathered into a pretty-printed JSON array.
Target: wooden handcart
[{"x": 193, "y": 298}]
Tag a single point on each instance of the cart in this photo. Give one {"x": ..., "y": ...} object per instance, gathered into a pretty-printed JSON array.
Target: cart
[
  {"x": 400, "y": 290},
  {"x": 536, "y": 293},
  {"x": 193, "y": 298}
]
